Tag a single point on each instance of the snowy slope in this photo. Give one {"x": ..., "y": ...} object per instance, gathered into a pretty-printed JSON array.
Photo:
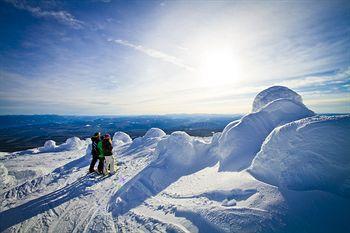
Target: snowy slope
[
  {"x": 278, "y": 169},
  {"x": 65, "y": 199}
]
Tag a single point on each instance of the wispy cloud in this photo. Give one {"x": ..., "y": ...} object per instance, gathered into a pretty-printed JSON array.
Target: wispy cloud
[
  {"x": 63, "y": 17},
  {"x": 340, "y": 77},
  {"x": 154, "y": 53}
]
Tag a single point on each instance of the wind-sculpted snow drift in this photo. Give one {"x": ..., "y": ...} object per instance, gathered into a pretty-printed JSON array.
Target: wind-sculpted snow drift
[
  {"x": 177, "y": 155},
  {"x": 73, "y": 143},
  {"x": 273, "y": 93},
  {"x": 180, "y": 183},
  {"x": 308, "y": 154},
  {"x": 5, "y": 179},
  {"x": 239, "y": 142},
  {"x": 152, "y": 136},
  {"x": 121, "y": 138}
]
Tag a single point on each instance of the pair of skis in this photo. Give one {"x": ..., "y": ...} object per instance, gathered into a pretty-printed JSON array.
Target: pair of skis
[{"x": 96, "y": 173}]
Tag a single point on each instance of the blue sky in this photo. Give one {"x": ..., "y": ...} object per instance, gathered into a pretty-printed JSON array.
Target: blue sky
[{"x": 158, "y": 57}]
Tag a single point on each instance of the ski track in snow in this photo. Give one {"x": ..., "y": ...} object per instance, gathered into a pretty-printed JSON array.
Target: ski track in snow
[{"x": 80, "y": 211}]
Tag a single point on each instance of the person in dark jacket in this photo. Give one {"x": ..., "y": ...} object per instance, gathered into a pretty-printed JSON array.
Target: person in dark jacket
[
  {"x": 94, "y": 151},
  {"x": 108, "y": 154}
]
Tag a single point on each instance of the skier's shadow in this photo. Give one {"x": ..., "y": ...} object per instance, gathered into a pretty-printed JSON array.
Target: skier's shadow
[{"x": 42, "y": 204}]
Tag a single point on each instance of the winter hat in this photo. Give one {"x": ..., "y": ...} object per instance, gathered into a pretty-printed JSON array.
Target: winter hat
[{"x": 107, "y": 136}]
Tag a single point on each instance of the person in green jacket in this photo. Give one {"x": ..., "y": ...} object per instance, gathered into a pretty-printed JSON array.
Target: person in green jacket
[{"x": 101, "y": 156}]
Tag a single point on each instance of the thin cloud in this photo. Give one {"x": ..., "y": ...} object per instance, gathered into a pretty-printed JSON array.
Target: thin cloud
[
  {"x": 154, "y": 53},
  {"x": 63, "y": 17},
  {"x": 338, "y": 78}
]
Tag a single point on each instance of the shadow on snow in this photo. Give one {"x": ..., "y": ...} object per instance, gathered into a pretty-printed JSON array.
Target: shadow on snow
[{"x": 49, "y": 201}]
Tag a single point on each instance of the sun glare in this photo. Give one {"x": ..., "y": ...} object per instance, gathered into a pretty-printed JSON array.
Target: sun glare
[{"x": 219, "y": 67}]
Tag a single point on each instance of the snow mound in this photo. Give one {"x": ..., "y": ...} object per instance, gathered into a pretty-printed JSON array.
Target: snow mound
[
  {"x": 227, "y": 202},
  {"x": 152, "y": 136},
  {"x": 239, "y": 142},
  {"x": 5, "y": 179},
  {"x": 49, "y": 145},
  {"x": 273, "y": 93},
  {"x": 73, "y": 143},
  {"x": 121, "y": 138},
  {"x": 154, "y": 133},
  {"x": 177, "y": 155},
  {"x": 180, "y": 149},
  {"x": 312, "y": 153}
]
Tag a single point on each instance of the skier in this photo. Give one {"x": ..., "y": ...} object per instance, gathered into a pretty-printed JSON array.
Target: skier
[
  {"x": 108, "y": 154},
  {"x": 94, "y": 151},
  {"x": 101, "y": 157}
]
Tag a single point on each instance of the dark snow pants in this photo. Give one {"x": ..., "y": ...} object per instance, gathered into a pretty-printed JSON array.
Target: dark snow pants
[
  {"x": 100, "y": 164},
  {"x": 93, "y": 162}
]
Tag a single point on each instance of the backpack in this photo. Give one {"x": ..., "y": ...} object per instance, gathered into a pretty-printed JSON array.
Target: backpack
[
  {"x": 107, "y": 147},
  {"x": 94, "y": 149}
]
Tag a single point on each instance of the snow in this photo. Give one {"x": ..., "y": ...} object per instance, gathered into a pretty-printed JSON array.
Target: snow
[
  {"x": 5, "y": 179},
  {"x": 280, "y": 168},
  {"x": 49, "y": 145},
  {"x": 196, "y": 202},
  {"x": 239, "y": 142},
  {"x": 121, "y": 138},
  {"x": 228, "y": 202},
  {"x": 73, "y": 143},
  {"x": 154, "y": 133},
  {"x": 273, "y": 93},
  {"x": 151, "y": 137},
  {"x": 309, "y": 154},
  {"x": 176, "y": 155},
  {"x": 182, "y": 151}
]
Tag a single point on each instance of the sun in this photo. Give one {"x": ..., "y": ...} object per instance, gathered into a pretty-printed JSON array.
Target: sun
[{"x": 219, "y": 67}]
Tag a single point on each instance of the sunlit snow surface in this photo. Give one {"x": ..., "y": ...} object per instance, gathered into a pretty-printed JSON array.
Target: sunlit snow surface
[{"x": 280, "y": 168}]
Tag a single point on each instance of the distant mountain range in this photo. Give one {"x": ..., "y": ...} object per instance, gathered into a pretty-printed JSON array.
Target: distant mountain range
[{"x": 20, "y": 132}]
